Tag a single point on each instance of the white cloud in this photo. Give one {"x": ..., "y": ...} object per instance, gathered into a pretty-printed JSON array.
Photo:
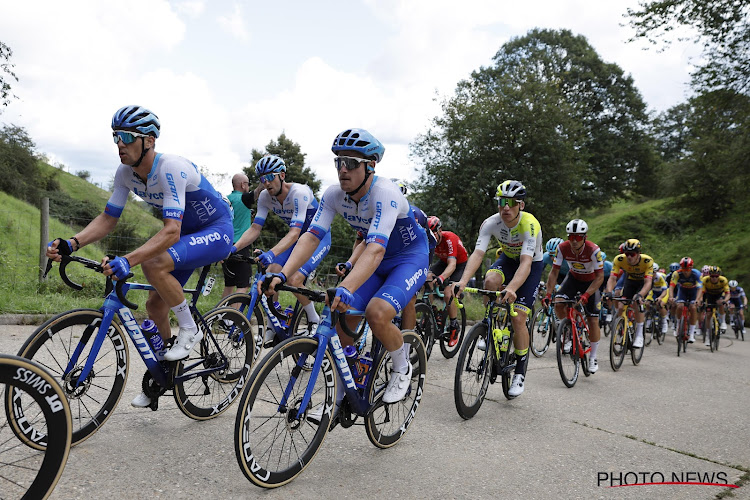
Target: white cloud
[
  {"x": 190, "y": 8},
  {"x": 235, "y": 24}
]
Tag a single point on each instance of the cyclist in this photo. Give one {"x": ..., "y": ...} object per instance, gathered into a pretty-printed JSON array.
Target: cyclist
[
  {"x": 521, "y": 262},
  {"x": 687, "y": 281},
  {"x": 586, "y": 275},
  {"x": 738, "y": 299},
  {"x": 393, "y": 264},
  {"x": 449, "y": 267},
  {"x": 549, "y": 257},
  {"x": 704, "y": 271},
  {"x": 197, "y": 225},
  {"x": 658, "y": 296},
  {"x": 296, "y": 205},
  {"x": 640, "y": 269},
  {"x": 716, "y": 290}
]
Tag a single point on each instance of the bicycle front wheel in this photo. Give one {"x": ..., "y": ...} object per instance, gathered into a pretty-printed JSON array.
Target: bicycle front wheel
[
  {"x": 241, "y": 301},
  {"x": 617, "y": 342},
  {"x": 426, "y": 327},
  {"x": 568, "y": 359},
  {"x": 636, "y": 353},
  {"x": 210, "y": 394},
  {"x": 386, "y": 423},
  {"x": 472, "y": 372},
  {"x": 274, "y": 441},
  {"x": 448, "y": 350},
  {"x": 715, "y": 334},
  {"x": 92, "y": 399},
  {"x": 32, "y": 471},
  {"x": 541, "y": 332}
]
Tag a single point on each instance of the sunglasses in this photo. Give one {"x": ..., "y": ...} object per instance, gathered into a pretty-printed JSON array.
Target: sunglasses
[
  {"x": 714, "y": 275},
  {"x": 631, "y": 254},
  {"x": 267, "y": 178},
  {"x": 576, "y": 237},
  {"x": 507, "y": 202},
  {"x": 126, "y": 137},
  {"x": 348, "y": 162}
]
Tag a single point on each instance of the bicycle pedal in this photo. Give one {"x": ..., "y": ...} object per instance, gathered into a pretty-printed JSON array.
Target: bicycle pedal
[{"x": 154, "y": 404}]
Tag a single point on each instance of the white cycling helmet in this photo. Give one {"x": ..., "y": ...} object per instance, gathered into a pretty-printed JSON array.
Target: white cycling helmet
[
  {"x": 733, "y": 284},
  {"x": 577, "y": 226}
]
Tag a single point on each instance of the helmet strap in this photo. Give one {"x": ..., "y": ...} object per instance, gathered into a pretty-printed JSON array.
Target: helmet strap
[
  {"x": 367, "y": 175},
  {"x": 144, "y": 151}
]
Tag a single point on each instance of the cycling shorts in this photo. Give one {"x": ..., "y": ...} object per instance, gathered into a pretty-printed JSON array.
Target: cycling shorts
[
  {"x": 317, "y": 257},
  {"x": 396, "y": 280},
  {"x": 711, "y": 298},
  {"x": 526, "y": 293},
  {"x": 439, "y": 266},
  {"x": 571, "y": 286},
  {"x": 237, "y": 272},
  {"x": 738, "y": 303},
  {"x": 687, "y": 294},
  {"x": 205, "y": 246}
]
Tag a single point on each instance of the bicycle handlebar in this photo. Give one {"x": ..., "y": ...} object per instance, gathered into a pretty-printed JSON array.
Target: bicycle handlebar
[
  {"x": 96, "y": 266},
  {"x": 493, "y": 294}
]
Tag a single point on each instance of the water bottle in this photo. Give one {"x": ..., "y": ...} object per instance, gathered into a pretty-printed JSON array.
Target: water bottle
[
  {"x": 288, "y": 312},
  {"x": 351, "y": 357},
  {"x": 277, "y": 306},
  {"x": 364, "y": 363},
  {"x": 152, "y": 334}
]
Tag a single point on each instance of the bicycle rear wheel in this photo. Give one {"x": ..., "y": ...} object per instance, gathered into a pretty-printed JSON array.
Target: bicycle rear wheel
[
  {"x": 32, "y": 471},
  {"x": 448, "y": 351},
  {"x": 472, "y": 372},
  {"x": 274, "y": 443},
  {"x": 568, "y": 363},
  {"x": 94, "y": 399},
  {"x": 649, "y": 329},
  {"x": 209, "y": 395},
  {"x": 426, "y": 327},
  {"x": 541, "y": 332},
  {"x": 617, "y": 342},
  {"x": 660, "y": 334},
  {"x": 241, "y": 302},
  {"x": 636, "y": 353},
  {"x": 386, "y": 423},
  {"x": 715, "y": 335}
]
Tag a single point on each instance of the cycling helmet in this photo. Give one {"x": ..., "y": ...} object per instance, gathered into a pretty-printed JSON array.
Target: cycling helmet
[
  {"x": 714, "y": 271},
  {"x": 136, "y": 119},
  {"x": 620, "y": 248},
  {"x": 656, "y": 267},
  {"x": 552, "y": 244},
  {"x": 511, "y": 189},
  {"x": 604, "y": 255},
  {"x": 632, "y": 245},
  {"x": 400, "y": 185},
  {"x": 270, "y": 164},
  {"x": 360, "y": 140},
  {"x": 733, "y": 284},
  {"x": 577, "y": 226},
  {"x": 674, "y": 266},
  {"x": 686, "y": 263},
  {"x": 434, "y": 223},
  {"x": 704, "y": 270}
]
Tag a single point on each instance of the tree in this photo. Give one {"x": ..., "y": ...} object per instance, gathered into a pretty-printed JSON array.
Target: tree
[
  {"x": 548, "y": 112},
  {"x": 84, "y": 174},
  {"x": 6, "y": 74},
  {"x": 723, "y": 28}
]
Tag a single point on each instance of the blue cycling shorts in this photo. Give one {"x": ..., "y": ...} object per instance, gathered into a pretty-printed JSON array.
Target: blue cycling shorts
[
  {"x": 205, "y": 246},
  {"x": 526, "y": 294},
  {"x": 317, "y": 257},
  {"x": 687, "y": 294},
  {"x": 396, "y": 280}
]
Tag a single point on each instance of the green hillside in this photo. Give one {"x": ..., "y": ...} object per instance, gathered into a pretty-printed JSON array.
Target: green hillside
[{"x": 667, "y": 235}]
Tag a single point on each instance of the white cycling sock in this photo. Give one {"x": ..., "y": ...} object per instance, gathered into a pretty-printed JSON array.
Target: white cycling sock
[
  {"x": 400, "y": 359},
  {"x": 691, "y": 330},
  {"x": 184, "y": 318},
  {"x": 312, "y": 314},
  {"x": 639, "y": 329},
  {"x": 594, "y": 347}
]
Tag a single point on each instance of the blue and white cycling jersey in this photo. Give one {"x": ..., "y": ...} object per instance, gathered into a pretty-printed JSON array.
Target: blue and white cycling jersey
[
  {"x": 175, "y": 185},
  {"x": 421, "y": 219},
  {"x": 383, "y": 215},
  {"x": 298, "y": 208}
]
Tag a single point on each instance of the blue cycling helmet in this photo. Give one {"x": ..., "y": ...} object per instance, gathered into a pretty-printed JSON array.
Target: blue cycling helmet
[
  {"x": 552, "y": 244},
  {"x": 136, "y": 119},
  {"x": 604, "y": 255},
  {"x": 270, "y": 164},
  {"x": 360, "y": 140},
  {"x": 674, "y": 266}
]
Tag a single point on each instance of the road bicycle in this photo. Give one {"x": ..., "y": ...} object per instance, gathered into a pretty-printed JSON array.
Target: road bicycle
[
  {"x": 681, "y": 332},
  {"x": 737, "y": 323},
  {"x": 623, "y": 333},
  {"x": 542, "y": 330},
  {"x": 274, "y": 437},
  {"x": 710, "y": 327},
  {"x": 440, "y": 322},
  {"x": 573, "y": 345},
  {"x": 31, "y": 467},
  {"x": 605, "y": 319},
  {"x": 477, "y": 367},
  {"x": 86, "y": 351}
]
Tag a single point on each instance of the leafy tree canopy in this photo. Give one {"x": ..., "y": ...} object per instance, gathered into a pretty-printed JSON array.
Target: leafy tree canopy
[{"x": 6, "y": 74}]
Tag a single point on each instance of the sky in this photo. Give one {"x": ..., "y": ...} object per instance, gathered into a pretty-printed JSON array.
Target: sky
[{"x": 228, "y": 76}]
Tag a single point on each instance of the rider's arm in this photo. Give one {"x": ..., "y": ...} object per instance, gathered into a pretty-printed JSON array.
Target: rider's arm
[
  {"x": 287, "y": 241},
  {"x": 96, "y": 229},
  {"x": 157, "y": 244},
  {"x": 552, "y": 278},
  {"x": 647, "y": 280},
  {"x": 249, "y": 236},
  {"x": 449, "y": 268},
  {"x": 370, "y": 259},
  {"x": 304, "y": 249}
]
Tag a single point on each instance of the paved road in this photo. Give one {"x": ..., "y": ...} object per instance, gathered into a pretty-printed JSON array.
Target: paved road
[{"x": 686, "y": 415}]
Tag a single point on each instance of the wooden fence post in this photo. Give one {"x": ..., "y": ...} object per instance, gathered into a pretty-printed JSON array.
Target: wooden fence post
[{"x": 43, "y": 237}]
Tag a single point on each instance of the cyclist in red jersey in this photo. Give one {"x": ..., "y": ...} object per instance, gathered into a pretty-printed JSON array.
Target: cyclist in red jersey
[{"x": 449, "y": 267}]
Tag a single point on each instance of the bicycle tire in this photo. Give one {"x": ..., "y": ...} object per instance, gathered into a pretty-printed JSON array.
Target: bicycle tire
[
  {"x": 660, "y": 335},
  {"x": 507, "y": 358},
  {"x": 568, "y": 364},
  {"x": 541, "y": 333},
  {"x": 617, "y": 344},
  {"x": 51, "y": 345},
  {"x": 636, "y": 353},
  {"x": 716, "y": 335},
  {"x": 385, "y": 423},
  {"x": 472, "y": 372},
  {"x": 257, "y": 320},
  {"x": 209, "y": 395},
  {"x": 262, "y": 426},
  {"x": 648, "y": 332},
  {"x": 680, "y": 335},
  {"x": 32, "y": 471},
  {"x": 449, "y": 352},
  {"x": 426, "y": 327}
]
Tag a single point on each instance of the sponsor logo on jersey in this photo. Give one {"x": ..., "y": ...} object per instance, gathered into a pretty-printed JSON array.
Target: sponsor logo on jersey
[{"x": 173, "y": 188}]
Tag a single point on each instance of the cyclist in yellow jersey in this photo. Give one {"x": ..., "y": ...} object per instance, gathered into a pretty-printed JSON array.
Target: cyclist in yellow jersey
[
  {"x": 716, "y": 291},
  {"x": 521, "y": 263},
  {"x": 640, "y": 269},
  {"x": 658, "y": 297}
]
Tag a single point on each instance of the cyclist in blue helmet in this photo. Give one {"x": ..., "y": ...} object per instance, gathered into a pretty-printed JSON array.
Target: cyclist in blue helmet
[
  {"x": 197, "y": 226},
  {"x": 392, "y": 263}
]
